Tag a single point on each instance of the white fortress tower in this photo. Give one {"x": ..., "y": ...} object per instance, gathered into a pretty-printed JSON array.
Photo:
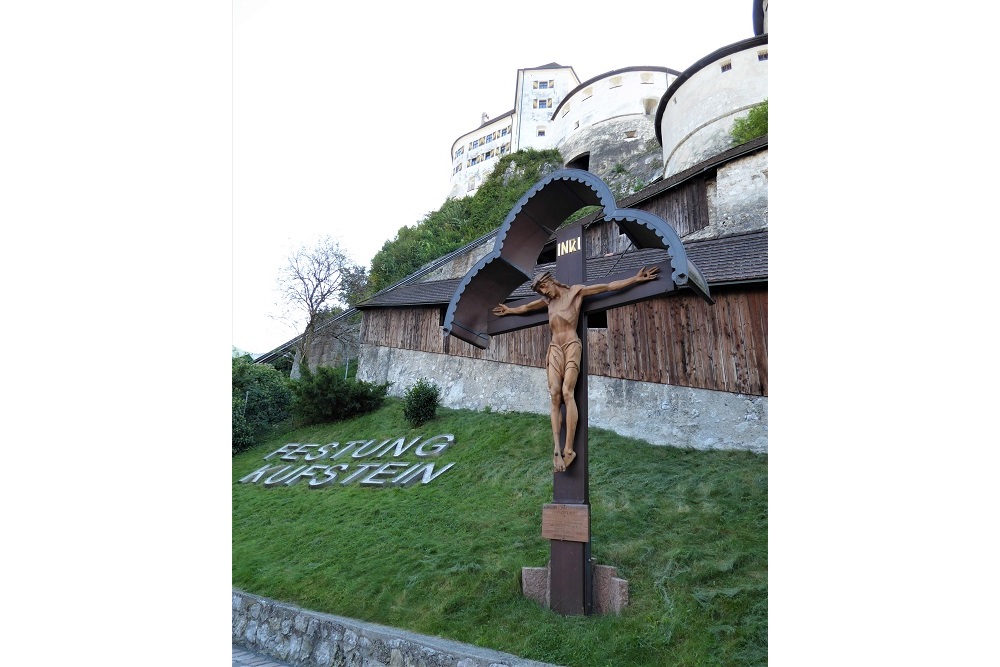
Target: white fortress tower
[{"x": 695, "y": 116}]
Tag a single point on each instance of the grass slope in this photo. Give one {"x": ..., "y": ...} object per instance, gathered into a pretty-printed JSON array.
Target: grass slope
[{"x": 687, "y": 529}]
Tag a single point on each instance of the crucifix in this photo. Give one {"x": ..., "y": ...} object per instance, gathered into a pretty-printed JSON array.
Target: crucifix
[{"x": 566, "y": 301}]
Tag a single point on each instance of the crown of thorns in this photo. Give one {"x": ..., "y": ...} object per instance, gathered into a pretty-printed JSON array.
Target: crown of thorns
[{"x": 545, "y": 275}]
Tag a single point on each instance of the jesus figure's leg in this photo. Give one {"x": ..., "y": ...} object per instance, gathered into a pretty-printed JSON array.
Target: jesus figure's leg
[
  {"x": 572, "y": 372},
  {"x": 555, "y": 398}
]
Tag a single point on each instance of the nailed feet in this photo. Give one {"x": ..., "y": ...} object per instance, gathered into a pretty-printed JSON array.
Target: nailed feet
[{"x": 561, "y": 461}]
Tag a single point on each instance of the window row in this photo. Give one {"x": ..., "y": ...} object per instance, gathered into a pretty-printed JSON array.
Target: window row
[
  {"x": 496, "y": 152},
  {"x": 613, "y": 82},
  {"x": 486, "y": 139},
  {"x": 728, "y": 65}
]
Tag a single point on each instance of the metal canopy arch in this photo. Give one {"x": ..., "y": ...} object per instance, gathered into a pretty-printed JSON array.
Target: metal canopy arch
[{"x": 529, "y": 226}]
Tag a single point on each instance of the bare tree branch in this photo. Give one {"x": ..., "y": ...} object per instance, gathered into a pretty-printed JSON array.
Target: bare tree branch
[{"x": 315, "y": 281}]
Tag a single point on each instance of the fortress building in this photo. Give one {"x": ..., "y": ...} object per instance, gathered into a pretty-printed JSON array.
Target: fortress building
[{"x": 603, "y": 125}]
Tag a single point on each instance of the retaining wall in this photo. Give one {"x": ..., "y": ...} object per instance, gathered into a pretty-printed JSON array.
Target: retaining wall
[
  {"x": 313, "y": 639},
  {"x": 660, "y": 414}
]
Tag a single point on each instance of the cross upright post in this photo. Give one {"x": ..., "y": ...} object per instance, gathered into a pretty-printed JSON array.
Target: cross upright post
[{"x": 570, "y": 567}]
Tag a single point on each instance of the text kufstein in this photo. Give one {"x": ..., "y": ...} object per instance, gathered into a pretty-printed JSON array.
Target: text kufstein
[{"x": 378, "y": 474}]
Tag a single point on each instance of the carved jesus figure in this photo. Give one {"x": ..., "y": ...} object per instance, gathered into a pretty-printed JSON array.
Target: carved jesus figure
[{"x": 563, "y": 359}]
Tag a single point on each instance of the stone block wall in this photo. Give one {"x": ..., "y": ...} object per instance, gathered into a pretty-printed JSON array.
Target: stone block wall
[
  {"x": 660, "y": 414},
  {"x": 312, "y": 639}
]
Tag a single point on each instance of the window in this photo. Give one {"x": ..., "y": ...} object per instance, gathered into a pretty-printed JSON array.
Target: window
[
  {"x": 474, "y": 144},
  {"x": 761, "y": 55},
  {"x": 543, "y": 85},
  {"x": 630, "y": 134},
  {"x": 545, "y": 104},
  {"x": 615, "y": 82},
  {"x": 649, "y": 105},
  {"x": 577, "y": 126},
  {"x": 504, "y": 131},
  {"x": 565, "y": 111},
  {"x": 726, "y": 66},
  {"x": 594, "y": 320},
  {"x": 489, "y": 138},
  {"x": 646, "y": 77},
  {"x": 541, "y": 132},
  {"x": 588, "y": 92}
]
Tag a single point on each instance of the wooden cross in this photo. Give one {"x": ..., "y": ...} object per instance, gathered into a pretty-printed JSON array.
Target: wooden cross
[{"x": 531, "y": 223}]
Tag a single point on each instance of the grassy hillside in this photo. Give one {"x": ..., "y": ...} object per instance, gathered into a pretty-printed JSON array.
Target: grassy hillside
[{"x": 687, "y": 529}]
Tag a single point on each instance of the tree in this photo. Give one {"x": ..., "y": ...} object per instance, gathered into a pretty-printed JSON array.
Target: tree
[
  {"x": 355, "y": 285},
  {"x": 751, "y": 126},
  {"x": 316, "y": 282}
]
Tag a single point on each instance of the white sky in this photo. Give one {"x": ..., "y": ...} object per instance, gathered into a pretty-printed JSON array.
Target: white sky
[{"x": 343, "y": 123}]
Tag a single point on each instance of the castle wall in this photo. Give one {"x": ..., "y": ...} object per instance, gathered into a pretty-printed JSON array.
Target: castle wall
[
  {"x": 700, "y": 113},
  {"x": 475, "y": 154},
  {"x": 623, "y": 152},
  {"x": 737, "y": 198}
]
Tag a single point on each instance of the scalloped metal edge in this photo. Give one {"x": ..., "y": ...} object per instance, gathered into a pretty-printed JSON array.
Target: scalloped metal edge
[{"x": 670, "y": 241}]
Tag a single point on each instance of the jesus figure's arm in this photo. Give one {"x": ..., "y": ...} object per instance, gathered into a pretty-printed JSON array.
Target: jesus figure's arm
[
  {"x": 644, "y": 275},
  {"x": 537, "y": 304}
]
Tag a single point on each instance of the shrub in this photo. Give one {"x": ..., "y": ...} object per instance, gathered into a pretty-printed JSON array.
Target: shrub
[
  {"x": 261, "y": 401},
  {"x": 324, "y": 396},
  {"x": 421, "y": 401},
  {"x": 751, "y": 126},
  {"x": 244, "y": 436}
]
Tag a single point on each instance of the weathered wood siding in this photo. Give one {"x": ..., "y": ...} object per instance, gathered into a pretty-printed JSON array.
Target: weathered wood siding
[
  {"x": 685, "y": 208},
  {"x": 677, "y": 340}
]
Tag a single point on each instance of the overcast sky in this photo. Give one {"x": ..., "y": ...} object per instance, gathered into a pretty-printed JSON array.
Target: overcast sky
[{"x": 343, "y": 122}]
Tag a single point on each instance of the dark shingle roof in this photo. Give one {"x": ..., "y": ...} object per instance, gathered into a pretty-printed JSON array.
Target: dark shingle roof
[{"x": 730, "y": 259}]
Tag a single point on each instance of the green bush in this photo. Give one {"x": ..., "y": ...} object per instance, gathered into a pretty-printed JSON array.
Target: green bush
[
  {"x": 261, "y": 401},
  {"x": 421, "y": 401},
  {"x": 324, "y": 396},
  {"x": 751, "y": 126},
  {"x": 244, "y": 436}
]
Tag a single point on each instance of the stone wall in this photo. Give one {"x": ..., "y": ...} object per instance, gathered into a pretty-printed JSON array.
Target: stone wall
[
  {"x": 312, "y": 639},
  {"x": 657, "y": 413},
  {"x": 737, "y": 198}
]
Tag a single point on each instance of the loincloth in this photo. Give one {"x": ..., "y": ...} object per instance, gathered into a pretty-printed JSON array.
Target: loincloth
[{"x": 561, "y": 357}]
